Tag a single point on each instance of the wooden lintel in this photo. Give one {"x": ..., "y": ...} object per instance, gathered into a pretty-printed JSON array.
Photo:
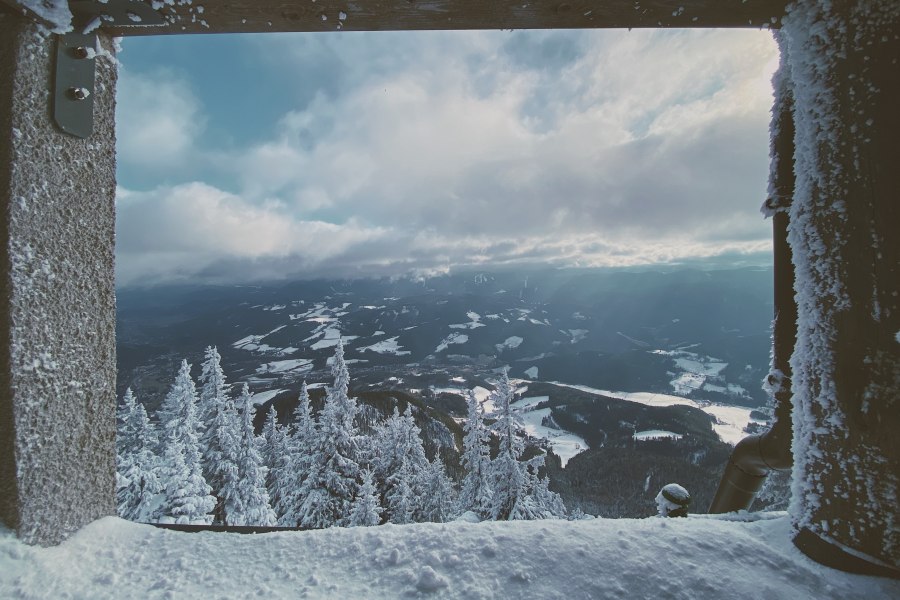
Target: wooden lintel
[{"x": 257, "y": 16}]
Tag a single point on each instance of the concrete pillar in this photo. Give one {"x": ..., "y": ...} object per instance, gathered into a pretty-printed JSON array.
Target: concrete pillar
[
  {"x": 845, "y": 59},
  {"x": 57, "y": 307}
]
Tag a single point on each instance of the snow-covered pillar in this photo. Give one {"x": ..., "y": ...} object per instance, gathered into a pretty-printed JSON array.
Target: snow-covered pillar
[
  {"x": 57, "y": 307},
  {"x": 844, "y": 58}
]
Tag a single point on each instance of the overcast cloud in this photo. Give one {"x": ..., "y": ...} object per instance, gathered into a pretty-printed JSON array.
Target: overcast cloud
[{"x": 380, "y": 154}]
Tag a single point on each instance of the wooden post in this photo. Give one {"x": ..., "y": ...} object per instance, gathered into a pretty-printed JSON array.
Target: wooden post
[
  {"x": 845, "y": 59},
  {"x": 57, "y": 331}
]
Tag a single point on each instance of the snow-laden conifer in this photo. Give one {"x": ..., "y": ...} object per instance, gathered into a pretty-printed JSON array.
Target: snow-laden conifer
[
  {"x": 303, "y": 432},
  {"x": 537, "y": 501},
  {"x": 188, "y": 497},
  {"x": 246, "y": 497},
  {"x": 334, "y": 473},
  {"x": 366, "y": 510},
  {"x": 301, "y": 442},
  {"x": 518, "y": 491},
  {"x": 213, "y": 413},
  {"x": 438, "y": 502},
  {"x": 507, "y": 477},
  {"x": 137, "y": 462},
  {"x": 475, "y": 493},
  {"x": 399, "y": 463},
  {"x": 276, "y": 455},
  {"x": 402, "y": 500}
]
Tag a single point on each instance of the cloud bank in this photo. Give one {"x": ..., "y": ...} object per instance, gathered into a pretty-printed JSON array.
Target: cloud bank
[{"x": 422, "y": 152}]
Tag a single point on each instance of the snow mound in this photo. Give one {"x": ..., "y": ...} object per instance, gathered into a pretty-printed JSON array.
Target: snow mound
[{"x": 696, "y": 558}]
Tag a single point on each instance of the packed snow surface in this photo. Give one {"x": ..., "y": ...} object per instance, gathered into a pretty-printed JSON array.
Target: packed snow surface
[{"x": 694, "y": 558}]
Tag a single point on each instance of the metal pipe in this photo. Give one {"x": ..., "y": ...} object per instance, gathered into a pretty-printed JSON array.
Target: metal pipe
[{"x": 757, "y": 455}]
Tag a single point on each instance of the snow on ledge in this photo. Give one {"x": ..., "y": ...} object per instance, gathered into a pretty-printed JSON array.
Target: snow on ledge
[
  {"x": 696, "y": 558},
  {"x": 54, "y": 12}
]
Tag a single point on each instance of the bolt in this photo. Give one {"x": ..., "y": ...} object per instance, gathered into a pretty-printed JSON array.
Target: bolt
[
  {"x": 80, "y": 52},
  {"x": 79, "y": 93}
]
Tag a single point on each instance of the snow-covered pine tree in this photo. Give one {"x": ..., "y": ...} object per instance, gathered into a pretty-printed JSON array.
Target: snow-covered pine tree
[
  {"x": 399, "y": 462},
  {"x": 438, "y": 503},
  {"x": 475, "y": 493},
  {"x": 518, "y": 491},
  {"x": 245, "y": 494},
  {"x": 402, "y": 501},
  {"x": 507, "y": 477},
  {"x": 276, "y": 456},
  {"x": 327, "y": 492},
  {"x": 366, "y": 510},
  {"x": 214, "y": 406},
  {"x": 137, "y": 463},
  {"x": 537, "y": 501},
  {"x": 301, "y": 440},
  {"x": 188, "y": 497}
]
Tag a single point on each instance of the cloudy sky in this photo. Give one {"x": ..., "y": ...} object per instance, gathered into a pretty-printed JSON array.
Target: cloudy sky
[{"x": 277, "y": 156}]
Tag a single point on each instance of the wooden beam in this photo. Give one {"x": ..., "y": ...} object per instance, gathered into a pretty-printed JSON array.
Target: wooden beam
[{"x": 257, "y": 16}]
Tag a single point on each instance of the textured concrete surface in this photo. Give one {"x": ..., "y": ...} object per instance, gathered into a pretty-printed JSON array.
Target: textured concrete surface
[{"x": 57, "y": 354}]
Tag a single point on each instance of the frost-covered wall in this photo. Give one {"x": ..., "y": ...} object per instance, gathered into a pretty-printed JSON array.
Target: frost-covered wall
[
  {"x": 57, "y": 353},
  {"x": 843, "y": 60}
]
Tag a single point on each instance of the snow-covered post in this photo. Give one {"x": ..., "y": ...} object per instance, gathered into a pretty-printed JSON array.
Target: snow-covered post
[
  {"x": 57, "y": 356},
  {"x": 844, "y": 59}
]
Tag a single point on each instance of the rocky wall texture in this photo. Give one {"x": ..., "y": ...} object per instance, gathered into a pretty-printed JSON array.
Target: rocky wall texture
[{"x": 57, "y": 309}]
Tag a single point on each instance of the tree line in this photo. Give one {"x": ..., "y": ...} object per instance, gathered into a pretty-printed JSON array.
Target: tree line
[{"x": 200, "y": 462}]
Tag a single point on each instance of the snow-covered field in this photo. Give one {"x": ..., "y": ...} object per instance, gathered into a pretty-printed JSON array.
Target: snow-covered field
[
  {"x": 263, "y": 397},
  {"x": 730, "y": 420},
  {"x": 656, "y": 434},
  {"x": 565, "y": 444},
  {"x": 693, "y": 559},
  {"x": 388, "y": 346}
]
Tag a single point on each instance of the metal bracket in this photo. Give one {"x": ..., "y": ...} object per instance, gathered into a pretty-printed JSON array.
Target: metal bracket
[{"x": 73, "y": 79}]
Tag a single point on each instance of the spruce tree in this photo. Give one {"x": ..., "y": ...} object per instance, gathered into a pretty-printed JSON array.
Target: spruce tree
[
  {"x": 137, "y": 462},
  {"x": 507, "y": 477},
  {"x": 246, "y": 497},
  {"x": 276, "y": 456},
  {"x": 438, "y": 502},
  {"x": 188, "y": 497},
  {"x": 518, "y": 491},
  {"x": 475, "y": 494},
  {"x": 214, "y": 406},
  {"x": 366, "y": 510},
  {"x": 399, "y": 462},
  {"x": 301, "y": 440},
  {"x": 334, "y": 475}
]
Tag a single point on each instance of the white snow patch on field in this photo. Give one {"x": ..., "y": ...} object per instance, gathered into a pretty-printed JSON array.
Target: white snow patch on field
[
  {"x": 474, "y": 322},
  {"x": 301, "y": 365},
  {"x": 111, "y": 558},
  {"x": 263, "y": 397},
  {"x": 511, "y": 342},
  {"x": 578, "y": 335},
  {"x": 656, "y": 434},
  {"x": 453, "y": 338},
  {"x": 532, "y": 372},
  {"x": 330, "y": 337},
  {"x": 388, "y": 346},
  {"x": 730, "y": 420},
  {"x": 565, "y": 444}
]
